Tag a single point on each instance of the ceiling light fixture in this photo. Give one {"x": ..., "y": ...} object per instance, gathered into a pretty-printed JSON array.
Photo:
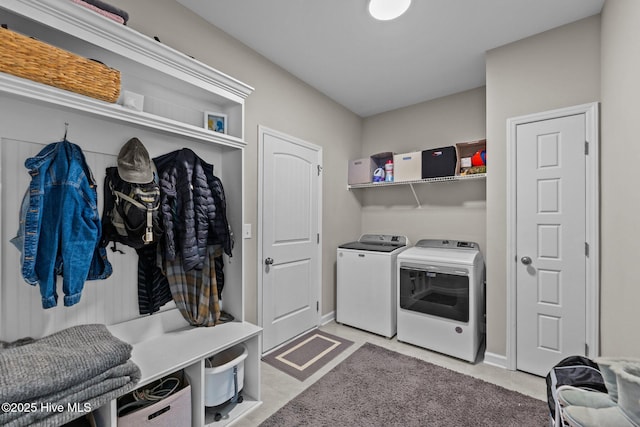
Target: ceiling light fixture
[{"x": 386, "y": 10}]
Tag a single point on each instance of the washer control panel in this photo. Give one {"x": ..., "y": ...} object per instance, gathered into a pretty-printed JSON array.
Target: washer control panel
[{"x": 384, "y": 239}]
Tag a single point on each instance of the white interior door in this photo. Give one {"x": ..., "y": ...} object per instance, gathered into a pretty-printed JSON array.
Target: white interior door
[
  {"x": 290, "y": 226},
  {"x": 551, "y": 240}
]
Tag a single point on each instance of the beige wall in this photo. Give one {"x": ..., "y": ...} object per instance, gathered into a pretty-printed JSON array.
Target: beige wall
[
  {"x": 619, "y": 197},
  {"x": 449, "y": 210},
  {"x": 554, "y": 69},
  {"x": 281, "y": 102}
]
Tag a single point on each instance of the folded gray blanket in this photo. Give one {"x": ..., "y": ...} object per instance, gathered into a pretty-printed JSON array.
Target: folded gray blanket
[
  {"x": 66, "y": 405},
  {"x": 79, "y": 368}
]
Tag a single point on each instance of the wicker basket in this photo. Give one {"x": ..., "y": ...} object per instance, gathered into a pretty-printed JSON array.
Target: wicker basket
[{"x": 34, "y": 60}]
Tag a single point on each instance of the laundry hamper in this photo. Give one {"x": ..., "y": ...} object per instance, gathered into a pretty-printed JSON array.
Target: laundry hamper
[
  {"x": 32, "y": 59},
  {"x": 224, "y": 376}
]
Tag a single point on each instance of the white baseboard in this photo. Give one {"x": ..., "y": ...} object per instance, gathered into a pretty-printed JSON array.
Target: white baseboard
[
  {"x": 326, "y": 318},
  {"x": 495, "y": 360}
]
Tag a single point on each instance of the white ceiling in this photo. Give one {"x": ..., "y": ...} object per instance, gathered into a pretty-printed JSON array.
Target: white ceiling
[{"x": 437, "y": 48}]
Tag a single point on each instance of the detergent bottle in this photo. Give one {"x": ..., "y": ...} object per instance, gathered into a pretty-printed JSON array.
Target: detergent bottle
[
  {"x": 388, "y": 171},
  {"x": 378, "y": 175}
]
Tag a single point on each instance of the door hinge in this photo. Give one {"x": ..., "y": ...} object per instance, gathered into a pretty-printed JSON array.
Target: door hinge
[
  {"x": 317, "y": 305},
  {"x": 319, "y": 169},
  {"x": 586, "y": 148},
  {"x": 318, "y": 238},
  {"x": 586, "y": 349},
  {"x": 586, "y": 249}
]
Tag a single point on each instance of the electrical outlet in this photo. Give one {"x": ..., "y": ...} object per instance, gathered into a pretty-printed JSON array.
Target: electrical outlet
[{"x": 246, "y": 231}]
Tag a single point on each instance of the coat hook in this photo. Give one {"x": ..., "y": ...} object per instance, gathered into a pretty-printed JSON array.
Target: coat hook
[{"x": 66, "y": 128}]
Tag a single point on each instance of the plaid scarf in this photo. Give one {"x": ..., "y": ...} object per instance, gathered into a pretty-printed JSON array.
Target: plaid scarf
[{"x": 195, "y": 292}]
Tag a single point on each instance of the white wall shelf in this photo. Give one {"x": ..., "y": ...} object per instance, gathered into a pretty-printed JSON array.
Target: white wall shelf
[
  {"x": 417, "y": 182},
  {"x": 176, "y": 87},
  {"x": 43, "y": 94}
]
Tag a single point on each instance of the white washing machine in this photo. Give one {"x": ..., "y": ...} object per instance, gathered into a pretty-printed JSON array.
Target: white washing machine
[
  {"x": 441, "y": 297},
  {"x": 366, "y": 283}
]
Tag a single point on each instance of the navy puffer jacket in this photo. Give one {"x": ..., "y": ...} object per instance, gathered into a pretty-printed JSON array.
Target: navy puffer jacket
[
  {"x": 221, "y": 233},
  {"x": 187, "y": 205}
]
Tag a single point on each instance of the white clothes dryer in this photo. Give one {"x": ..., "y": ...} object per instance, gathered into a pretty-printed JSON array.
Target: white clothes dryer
[
  {"x": 441, "y": 297},
  {"x": 366, "y": 283}
]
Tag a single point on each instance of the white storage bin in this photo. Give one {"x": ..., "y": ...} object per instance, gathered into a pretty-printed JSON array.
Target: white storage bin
[
  {"x": 361, "y": 171},
  {"x": 407, "y": 166},
  {"x": 172, "y": 411},
  {"x": 218, "y": 375}
]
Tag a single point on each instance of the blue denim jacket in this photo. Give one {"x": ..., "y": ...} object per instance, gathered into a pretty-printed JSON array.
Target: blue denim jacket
[{"x": 60, "y": 225}]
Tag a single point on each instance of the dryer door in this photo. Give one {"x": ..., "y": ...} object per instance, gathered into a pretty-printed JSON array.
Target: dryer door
[{"x": 435, "y": 290}]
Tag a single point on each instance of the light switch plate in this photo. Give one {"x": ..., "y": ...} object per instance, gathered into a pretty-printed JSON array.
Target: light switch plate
[{"x": 246, "y": 231}]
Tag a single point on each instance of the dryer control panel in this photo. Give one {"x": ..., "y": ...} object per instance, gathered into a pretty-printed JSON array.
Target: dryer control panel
[{"x": 446, "y": 244}]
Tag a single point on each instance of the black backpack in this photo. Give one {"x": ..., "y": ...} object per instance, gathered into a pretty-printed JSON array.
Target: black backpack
[
  {"x": 576, "y": 371},
  {"x": 131, "y": 213}
]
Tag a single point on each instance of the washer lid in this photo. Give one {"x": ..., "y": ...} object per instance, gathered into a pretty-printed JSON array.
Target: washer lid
[
  {"x": 377, "y": 243},
  {"x": 371, "y": 247}
]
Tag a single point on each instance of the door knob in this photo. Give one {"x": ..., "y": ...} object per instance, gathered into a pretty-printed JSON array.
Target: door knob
[
  {"x": 268, "y": 261},
  {"x": 525, "y": 260}
]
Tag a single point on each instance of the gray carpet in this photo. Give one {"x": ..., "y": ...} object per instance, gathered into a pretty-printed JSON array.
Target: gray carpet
[{"x": 378, "y": 387}]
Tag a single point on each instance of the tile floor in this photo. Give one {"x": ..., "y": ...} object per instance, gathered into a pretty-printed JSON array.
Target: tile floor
[{"x": 277, "y": 388}]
